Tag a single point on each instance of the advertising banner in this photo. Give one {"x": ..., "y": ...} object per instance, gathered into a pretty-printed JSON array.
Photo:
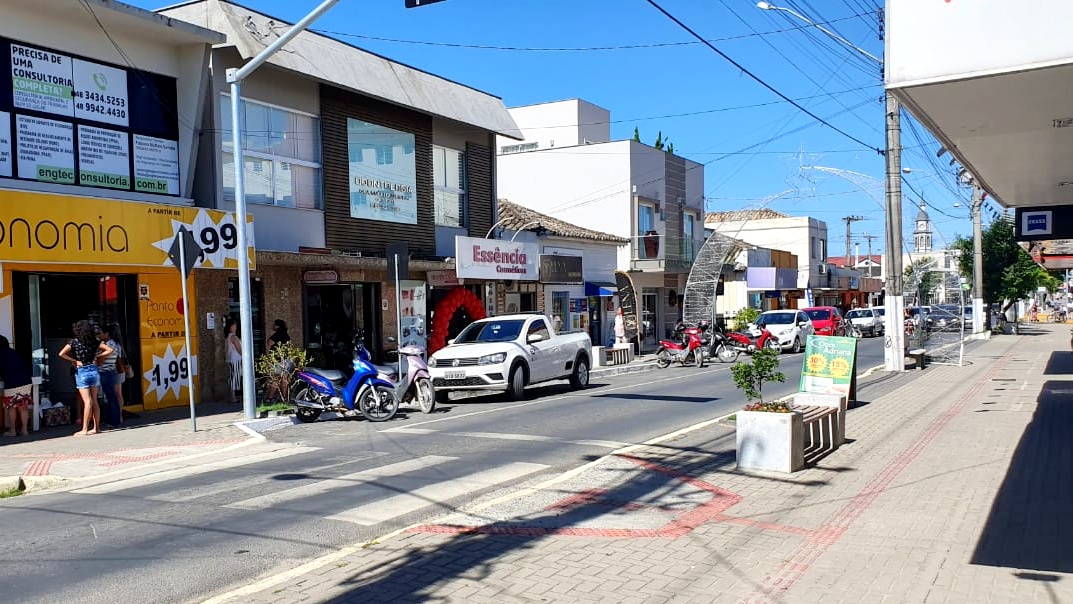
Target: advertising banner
[
  {"x": 79, "y": 121},
  {"x": 39, "y": 227},
  {"x": 383, "y": 173},
  {"x": 830, "y": 366},
  {"x": 414, "y": 311},
  {"x": 555, "y": 268},
  {"x": 495, "y": 259}
]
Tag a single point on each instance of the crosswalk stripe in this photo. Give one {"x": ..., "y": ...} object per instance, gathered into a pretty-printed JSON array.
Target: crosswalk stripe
[
  {"x": 506, "y": 436},
  {"x": 405, "y": 430},
  {"x": 203, "y": 491},
  {"x": 609, "y": 444},
  {"x": 324, "y": 486},
  {"x": 392, "y": 507},
  {"x": 193, "y": 470}
]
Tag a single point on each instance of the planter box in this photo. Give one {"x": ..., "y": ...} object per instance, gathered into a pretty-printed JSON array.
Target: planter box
[{"x": 773, "y": 442}]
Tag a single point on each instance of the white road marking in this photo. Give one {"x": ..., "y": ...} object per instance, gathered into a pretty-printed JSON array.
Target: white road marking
[
  {"x": 138, "y": 481},
  {"x": 409, "y": 430},
  {"x": 609, "y": 444},
  {"x": 505, "y": 436},
  {"x": 321, "y": 487},
  {"x": 199, "y": 492},
  {"x": 393, "y": 507}
]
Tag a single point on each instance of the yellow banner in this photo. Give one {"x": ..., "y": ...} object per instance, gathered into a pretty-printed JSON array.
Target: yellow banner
[{"x": 38, "y": 227}]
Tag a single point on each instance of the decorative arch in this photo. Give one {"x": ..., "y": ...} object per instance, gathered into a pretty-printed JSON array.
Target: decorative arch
[
  {"x": 457, "y": 299},
  {"x": 699, "y": 303}
]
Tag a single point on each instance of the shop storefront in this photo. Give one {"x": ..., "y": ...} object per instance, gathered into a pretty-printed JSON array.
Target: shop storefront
[
  {"x": 70, "y": 258},
  {"x": 564, "y": 288}
]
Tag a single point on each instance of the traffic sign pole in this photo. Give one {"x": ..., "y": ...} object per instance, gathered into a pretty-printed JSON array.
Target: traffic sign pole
[{"x": 186, "y": 325}]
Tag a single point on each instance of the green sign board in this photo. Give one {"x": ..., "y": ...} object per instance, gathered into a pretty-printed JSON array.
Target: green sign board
[{"x": 830, "y": 366}]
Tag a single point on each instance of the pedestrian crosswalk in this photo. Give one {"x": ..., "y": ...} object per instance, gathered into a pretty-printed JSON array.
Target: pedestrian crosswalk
[{"x": 380, "y": 492}]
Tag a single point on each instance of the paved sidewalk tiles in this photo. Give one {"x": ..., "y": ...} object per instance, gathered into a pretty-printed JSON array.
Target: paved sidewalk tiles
[{"x": 927, "y": 503}]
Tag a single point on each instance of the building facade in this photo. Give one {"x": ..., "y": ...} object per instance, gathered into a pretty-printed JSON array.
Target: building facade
[
  {"x": 98, "y": 154},
  {"x": 566, "y": 166},
  {"x": 350, "y": 160}
]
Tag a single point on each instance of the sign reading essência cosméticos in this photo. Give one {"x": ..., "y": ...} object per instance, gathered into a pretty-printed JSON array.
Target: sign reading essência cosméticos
[{"x": 70, "y": 120}]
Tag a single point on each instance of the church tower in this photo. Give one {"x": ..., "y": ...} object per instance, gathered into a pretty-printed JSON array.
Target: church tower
[{"x": 922, "y": 234}]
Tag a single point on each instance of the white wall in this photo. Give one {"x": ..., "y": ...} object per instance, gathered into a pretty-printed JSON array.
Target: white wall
[
  {"x": 791, "y": 234},
  {"x": 594, "y": 123},
  {"x": 939, "y": 40}
]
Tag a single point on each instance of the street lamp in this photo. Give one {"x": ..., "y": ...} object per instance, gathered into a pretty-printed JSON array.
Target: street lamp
[
  {"x": 519, "y": 230},
  {"x": 894, "y": 302},
  {"x": 235, "y": 77}
]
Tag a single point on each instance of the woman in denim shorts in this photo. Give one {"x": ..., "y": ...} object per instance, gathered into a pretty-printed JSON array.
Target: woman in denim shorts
[{"x": 83, "y": 351}]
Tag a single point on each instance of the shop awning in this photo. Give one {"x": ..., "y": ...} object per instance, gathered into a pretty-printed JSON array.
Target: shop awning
[{"x": 600, "y": 288}]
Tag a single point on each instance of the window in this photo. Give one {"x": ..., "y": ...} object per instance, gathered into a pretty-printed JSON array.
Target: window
[
  {"x": 813, "y": 248},
  {"x": 538, "y": 328},
  {"x": 281, "y": 153},
  {"x": 449, "y": 178},
  {"x": 823, "y": 250},
  {"x": 646, "y": 218},
  {"x": 688, "y": 221}
]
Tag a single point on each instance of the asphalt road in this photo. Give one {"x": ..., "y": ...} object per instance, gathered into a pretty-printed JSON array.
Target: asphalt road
[{"x": 335, "y": 483}]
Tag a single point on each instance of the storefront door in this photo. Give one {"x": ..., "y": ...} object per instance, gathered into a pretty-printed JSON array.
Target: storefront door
[
  {"x": 649, "y": 304},
  {"x": 46, "y": 307},
  {"x": 333, "y": 313}
]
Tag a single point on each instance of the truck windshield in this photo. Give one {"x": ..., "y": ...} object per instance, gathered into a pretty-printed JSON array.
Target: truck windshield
[{"x": 491, "y": 331}]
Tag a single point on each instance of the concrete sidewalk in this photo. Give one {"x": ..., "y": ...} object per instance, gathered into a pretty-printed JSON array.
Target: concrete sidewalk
[
  {"x": 53, "y": 456},
  {"x": 956, "y": 486}
]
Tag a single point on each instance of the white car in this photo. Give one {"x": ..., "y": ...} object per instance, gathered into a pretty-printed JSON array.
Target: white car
[
  {"x": 508, "y": 353},
  {"x": 868, "y": 321},
  {"x": 790, "y": 327}
]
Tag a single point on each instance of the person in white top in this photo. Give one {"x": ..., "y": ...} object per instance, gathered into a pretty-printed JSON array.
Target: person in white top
[{"x": 234, "y": 359}]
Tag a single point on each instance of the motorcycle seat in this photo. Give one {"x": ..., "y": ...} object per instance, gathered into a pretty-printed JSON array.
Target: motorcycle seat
[
  {"x": 391, "y": 371},
  {"x": 332, "y": 375}
]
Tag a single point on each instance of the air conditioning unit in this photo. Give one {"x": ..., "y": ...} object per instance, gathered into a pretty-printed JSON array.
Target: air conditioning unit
[
  {"x": 823, "y": 269},
  {"x": 740, "y": 267}
]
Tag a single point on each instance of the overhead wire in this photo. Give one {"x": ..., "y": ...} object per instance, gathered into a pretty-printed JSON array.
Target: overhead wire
[{"x": 757, "y": 78}]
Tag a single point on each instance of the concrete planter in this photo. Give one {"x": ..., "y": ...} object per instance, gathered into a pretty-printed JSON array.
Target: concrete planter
[{"x": 772, "y": 442}]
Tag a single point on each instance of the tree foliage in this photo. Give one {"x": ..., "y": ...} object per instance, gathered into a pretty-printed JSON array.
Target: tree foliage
[
  {"x": 636, "y": 134},
  {"x": 1009, "y": 272},
  {"x": 750, "y": 377}
]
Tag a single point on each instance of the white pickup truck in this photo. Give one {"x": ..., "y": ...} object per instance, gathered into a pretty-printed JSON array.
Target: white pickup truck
[{"x": 508, "y": 353}]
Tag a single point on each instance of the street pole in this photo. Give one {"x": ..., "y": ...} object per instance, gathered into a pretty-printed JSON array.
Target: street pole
[
  {"x": 849, "y": 235},
  {"x": 870, "y": 238},
  {"x": 186, "y": 327},
  {"x": 977, "y": 262},
  {"x": 235, "y": 77},
  {"x": 894, "y": 302}
]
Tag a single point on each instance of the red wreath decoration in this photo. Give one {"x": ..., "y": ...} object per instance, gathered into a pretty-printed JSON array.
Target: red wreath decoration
[{"x": 458, "y": 298}]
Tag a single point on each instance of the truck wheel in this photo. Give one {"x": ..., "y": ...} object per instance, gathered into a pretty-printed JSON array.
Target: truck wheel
[
  {"x": 580, "y": 377},
  {"x": 516, "y": 384}
]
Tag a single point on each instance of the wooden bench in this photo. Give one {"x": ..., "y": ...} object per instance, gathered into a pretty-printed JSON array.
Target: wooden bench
[{"x": 917, "y": 354}]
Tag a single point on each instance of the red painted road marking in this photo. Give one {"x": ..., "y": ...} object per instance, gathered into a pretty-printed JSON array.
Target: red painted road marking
[
  {"x": 42, "y": 467},
  {"x": 799, "y": 563}
]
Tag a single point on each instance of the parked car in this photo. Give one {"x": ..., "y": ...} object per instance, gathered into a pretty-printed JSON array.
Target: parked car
[
  {"x": 941, "y": 318},
  {"x": 790, "y": 327},
  {"x": 508, "y": 353},
  {"x": 867, "y": 320},
  {"x": 826, "y": 320}
]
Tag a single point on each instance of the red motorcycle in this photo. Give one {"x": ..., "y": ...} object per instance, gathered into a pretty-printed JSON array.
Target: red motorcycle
[
  {"x": 688, "y": 350},
  {"x": 727, "y": 345}
]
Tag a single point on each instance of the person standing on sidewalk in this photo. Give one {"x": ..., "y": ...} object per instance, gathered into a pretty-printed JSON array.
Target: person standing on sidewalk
[
  {"x": 106, "y": 366},
  {"x": 279, "y": 333},
  {"x": 234, "y": 360},
  {"x": 17, "y": 389},
  {"x": 620, "y": 327},
  {"x": 82, "y": 351}
]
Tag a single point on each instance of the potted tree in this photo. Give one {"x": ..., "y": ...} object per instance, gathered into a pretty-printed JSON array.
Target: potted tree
[
  {"x": 770, "y": 435},
  {"x": 275, "y": 369}
]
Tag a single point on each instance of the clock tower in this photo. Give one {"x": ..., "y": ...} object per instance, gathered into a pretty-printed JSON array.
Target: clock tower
[{"x": 922, "y": 234}]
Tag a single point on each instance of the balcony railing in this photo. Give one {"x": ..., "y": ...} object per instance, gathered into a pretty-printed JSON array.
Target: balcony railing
[{"x": 654, "y": 252}]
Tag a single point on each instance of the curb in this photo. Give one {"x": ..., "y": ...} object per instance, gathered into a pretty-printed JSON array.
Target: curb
[
  {"x": 622, "y": 369},
  {"x": 8, "y": 483}
]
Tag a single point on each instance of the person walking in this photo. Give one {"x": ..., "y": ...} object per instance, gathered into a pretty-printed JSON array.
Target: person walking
[
  {"x": 233, "y": 347},
  {"x": 82, "y": 351},
  {"x": 17, "y": 389},
  {"x": 107, "y": 367}
]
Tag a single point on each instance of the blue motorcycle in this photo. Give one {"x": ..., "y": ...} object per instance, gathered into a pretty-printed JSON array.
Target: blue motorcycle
[{"x": 365, "y": 393}]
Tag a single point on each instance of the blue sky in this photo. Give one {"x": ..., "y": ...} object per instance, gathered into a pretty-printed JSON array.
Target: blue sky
[{"x": 755, "y": 144}]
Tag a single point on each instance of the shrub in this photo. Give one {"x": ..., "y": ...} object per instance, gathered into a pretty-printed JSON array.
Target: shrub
[
  {"x": 744, "y": 317},
  {"x": 750, "y": 377},
  {"x": 276, "y": 367}
]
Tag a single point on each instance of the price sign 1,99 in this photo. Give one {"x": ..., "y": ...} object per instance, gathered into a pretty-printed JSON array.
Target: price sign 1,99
[{"x": 167, "y": 373}]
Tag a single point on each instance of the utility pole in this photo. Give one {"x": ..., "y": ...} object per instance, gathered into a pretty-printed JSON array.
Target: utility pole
[
  {"x": 894, "y": 301},
  {"x": 849, "y": 235},
  {"x": 870, "y": 263},
  {"x": 978, "y": 318}
]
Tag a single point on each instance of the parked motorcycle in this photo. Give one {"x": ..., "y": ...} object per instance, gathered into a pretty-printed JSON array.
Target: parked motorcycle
[
  {"x": 686, "y": 350},
  {"x": 365, "y": 393},
  {"x": 417, "y": 387},
  {"x": 726, "y": 346}
]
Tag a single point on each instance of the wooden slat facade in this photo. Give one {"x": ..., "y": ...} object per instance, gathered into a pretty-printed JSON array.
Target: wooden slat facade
[{"x": 480, "y": 187}]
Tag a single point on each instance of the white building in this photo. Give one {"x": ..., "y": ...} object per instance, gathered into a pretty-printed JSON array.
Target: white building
[{"x": 566, "y": 166}]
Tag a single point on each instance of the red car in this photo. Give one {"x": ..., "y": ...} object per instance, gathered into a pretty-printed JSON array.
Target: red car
[{"x": 827, "y": 320}]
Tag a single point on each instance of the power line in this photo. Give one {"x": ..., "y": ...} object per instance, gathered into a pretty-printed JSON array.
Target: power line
[
  {"x": 562, "y": 48},
  {"x": 758, "y": 79}
]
